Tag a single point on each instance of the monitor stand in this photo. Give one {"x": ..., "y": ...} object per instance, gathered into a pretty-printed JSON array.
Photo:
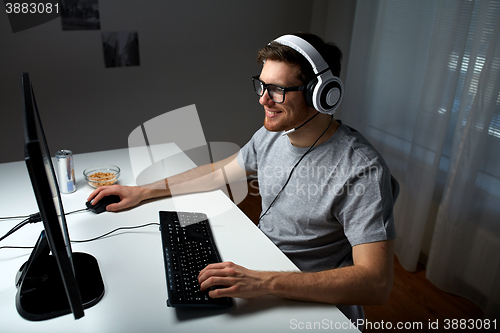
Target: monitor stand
[{"x": 41, "y": 292}]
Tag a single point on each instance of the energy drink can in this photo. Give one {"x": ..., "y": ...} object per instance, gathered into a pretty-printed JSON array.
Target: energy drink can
[{"x": 65, "y": 171}]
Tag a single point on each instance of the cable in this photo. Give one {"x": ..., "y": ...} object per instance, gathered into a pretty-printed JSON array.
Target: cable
[
  {"x": 296, "y": 128},
  {"x": 113, "y": 231},
  {"x": 16, "y": 247},
  {"x": 293, "y": 169},
  {"x": 17, "y": 227},
  {"x": 77, "y": 211},
  {"x": 33, "y": 218},
  {"x": 91, "y": 239},
  {"x": 14, "y": 217},
  {"x": 28, "y": 216}
]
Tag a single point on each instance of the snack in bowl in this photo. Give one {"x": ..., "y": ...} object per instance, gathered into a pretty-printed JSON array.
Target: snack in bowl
[{"x": 101, "y": 175}]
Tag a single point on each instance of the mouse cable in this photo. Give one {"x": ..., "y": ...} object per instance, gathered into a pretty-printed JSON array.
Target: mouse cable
[
  {"x": 91, "y": 239},
  {"x": 14, "y": 217},
  {"x": 78, "y": 211},
  {"x": 115, "y": 230},
  {"x": 33, "y": 218},
  {"x": 32, "y": 215}
]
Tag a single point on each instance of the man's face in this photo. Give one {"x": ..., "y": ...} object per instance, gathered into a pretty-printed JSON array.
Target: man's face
[{"x": 293, "y": 111}]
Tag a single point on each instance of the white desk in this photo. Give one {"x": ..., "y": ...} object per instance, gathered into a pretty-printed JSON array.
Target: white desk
[{"x": 132, "y": 267}]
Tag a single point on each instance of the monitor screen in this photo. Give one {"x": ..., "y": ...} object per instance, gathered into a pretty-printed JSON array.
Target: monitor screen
[{"x": 54, "y": 281}]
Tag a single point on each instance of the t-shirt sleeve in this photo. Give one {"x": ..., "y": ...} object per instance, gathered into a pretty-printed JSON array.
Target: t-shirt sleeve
[
  {"x": 247, "y": 156},
  {"x": 365, "y": 208}
]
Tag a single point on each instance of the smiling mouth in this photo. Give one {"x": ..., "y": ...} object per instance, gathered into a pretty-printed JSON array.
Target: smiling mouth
[{"x": 270, "y": 113}]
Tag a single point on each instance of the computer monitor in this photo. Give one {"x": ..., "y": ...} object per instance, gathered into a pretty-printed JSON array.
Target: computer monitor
[{"x": 54, "y": 281}]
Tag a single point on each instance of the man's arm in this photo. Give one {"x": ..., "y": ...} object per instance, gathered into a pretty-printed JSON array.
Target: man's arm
[
  {"x": 203, "y": 178},
  {"x": 368, "y": 281}
]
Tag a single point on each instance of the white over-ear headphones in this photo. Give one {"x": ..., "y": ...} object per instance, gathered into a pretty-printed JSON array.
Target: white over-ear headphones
[{"x": 325, "y": 92}]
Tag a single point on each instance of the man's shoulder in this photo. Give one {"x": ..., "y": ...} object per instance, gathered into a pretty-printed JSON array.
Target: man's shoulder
[{"x": 356, "y": 146}]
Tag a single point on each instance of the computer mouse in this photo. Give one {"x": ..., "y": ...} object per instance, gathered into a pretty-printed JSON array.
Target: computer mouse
[{"x": 102, "y": 204}]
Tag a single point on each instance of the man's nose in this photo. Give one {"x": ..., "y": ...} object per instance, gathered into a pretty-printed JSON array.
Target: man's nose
[{"x": 265, "y": 99}]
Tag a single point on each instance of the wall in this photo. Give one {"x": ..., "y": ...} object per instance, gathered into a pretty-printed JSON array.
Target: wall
[
  {"x": 191, "y": 52},
  {"x": 333, "y": 21}
]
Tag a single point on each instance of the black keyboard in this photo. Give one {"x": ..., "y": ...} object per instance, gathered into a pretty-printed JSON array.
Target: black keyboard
[{"x": 188, "y": 246}]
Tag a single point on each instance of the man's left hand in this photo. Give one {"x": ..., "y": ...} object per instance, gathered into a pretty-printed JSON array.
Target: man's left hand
[{"x": 234, "y": 280}]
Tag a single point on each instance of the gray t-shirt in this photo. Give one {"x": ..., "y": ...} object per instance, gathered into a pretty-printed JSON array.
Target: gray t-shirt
[{"x": 340, "y": 195}]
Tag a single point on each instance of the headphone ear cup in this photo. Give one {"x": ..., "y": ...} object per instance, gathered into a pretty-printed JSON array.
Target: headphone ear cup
[
  {"x": 309, "y": 90},
  {"x": 328, "y": 95}
]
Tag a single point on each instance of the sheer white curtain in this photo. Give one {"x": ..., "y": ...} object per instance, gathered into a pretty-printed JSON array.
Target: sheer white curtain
[{"x": 423, "y": 85}]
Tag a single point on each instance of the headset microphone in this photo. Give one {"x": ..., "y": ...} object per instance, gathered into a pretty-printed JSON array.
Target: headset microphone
[{"x": 296, "y": 128}]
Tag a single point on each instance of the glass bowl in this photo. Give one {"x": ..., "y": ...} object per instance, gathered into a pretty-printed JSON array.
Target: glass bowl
[{"x": 101, "y": 175}]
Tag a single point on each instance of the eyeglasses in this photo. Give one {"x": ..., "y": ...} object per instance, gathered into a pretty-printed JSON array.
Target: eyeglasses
[{"x": 276, "y": 93}]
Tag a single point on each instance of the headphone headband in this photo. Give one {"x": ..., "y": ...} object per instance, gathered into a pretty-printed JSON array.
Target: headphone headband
[{"x": 306, "y": 50}]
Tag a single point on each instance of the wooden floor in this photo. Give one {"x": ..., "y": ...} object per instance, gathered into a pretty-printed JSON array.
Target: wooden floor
[{"x": 414, "y": 302}]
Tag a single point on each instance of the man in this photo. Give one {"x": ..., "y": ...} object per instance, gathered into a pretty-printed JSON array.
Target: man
[{"x": 327, "y": 195}]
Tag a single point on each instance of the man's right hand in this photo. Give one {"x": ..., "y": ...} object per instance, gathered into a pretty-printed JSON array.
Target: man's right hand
[{"x": 130, "y": 196}]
